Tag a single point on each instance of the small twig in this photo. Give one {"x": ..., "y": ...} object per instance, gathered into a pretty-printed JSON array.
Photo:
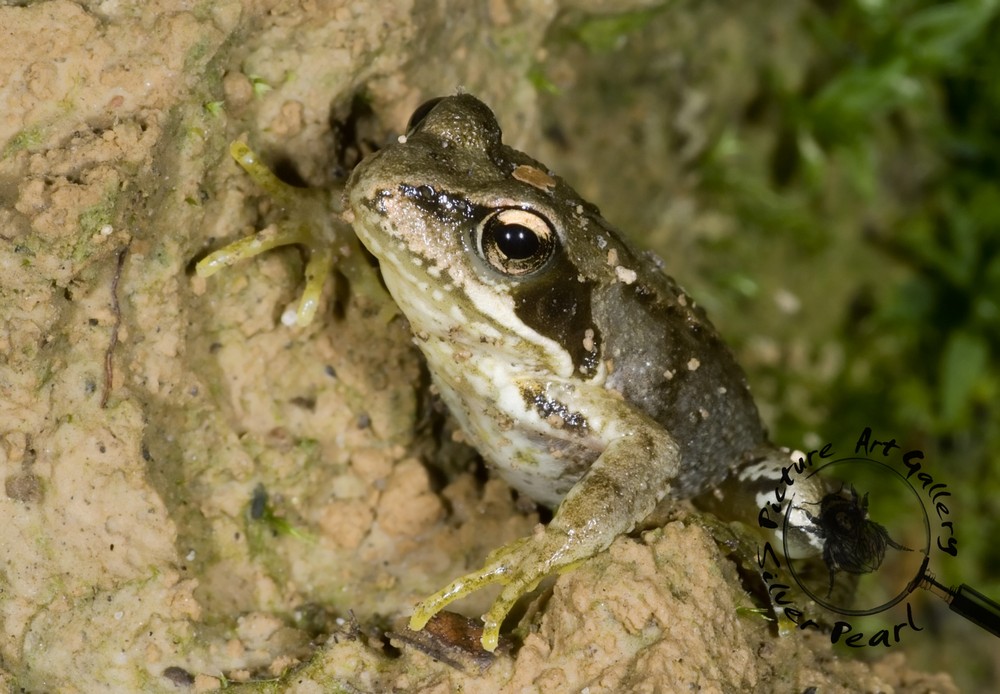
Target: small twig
[{"x": 109, "y": 368}]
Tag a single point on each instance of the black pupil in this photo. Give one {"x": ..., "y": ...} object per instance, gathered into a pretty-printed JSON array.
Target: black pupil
[{"x": 516, "y": 242}]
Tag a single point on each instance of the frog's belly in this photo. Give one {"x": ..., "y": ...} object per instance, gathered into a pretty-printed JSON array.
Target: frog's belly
[
  {"x": 542, "y": 468},
  {"x": 539, "y": 461}
]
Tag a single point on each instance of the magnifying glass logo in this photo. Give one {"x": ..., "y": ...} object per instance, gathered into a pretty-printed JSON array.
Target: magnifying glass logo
[{"x": 873, "y": 550}]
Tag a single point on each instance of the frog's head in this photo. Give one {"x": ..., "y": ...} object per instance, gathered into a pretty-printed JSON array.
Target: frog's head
[{"x": 479, "y": 244}]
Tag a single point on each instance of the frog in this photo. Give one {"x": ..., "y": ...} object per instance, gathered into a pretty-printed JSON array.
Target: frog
[{"x": 585, "y": 376}]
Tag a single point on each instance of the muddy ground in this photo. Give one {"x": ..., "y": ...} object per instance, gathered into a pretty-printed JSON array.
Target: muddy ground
[{"x": 197, "y": 494}]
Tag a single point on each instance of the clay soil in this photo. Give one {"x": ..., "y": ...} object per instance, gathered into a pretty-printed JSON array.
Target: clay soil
[{"x": 197, "y": 495}]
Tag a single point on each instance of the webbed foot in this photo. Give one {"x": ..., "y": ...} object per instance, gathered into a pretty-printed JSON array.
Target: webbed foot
[
  {"x": 518, "y": 566},
  {"x": 313, "y": 221}
]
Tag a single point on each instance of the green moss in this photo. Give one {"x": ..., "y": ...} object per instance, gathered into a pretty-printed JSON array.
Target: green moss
[
  {"x": 96, "y": 217},
  {"x": 259, "y": 85},
  {"x": 27, "y": 138},
  {"x": 196, "y": 55},
  {"x": 92, "y": 220},
  {"x": 215, "y": 109},
  {"x": 264, "y": 522}
]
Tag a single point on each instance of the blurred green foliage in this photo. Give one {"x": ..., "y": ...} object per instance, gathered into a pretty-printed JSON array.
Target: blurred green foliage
[
  {"x": 606, "y": 33},
  {"x": 894, "y": 126},
  {"x": 925, "y": 72},
  {"x": 901, "y": 105}
]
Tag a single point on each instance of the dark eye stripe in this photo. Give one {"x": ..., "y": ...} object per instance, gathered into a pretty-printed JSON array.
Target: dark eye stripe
[
  {"x": 556, "y": 304},
  {"x": 550, "y": 299}
]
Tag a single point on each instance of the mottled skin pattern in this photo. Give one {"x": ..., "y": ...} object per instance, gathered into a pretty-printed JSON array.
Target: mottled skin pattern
[{"x": 581, "y": 372}]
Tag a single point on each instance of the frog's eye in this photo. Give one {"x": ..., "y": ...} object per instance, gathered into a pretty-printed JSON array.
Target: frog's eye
[
  {"x": 421, "y": 112},
  {"x": 516, "y": 242}
]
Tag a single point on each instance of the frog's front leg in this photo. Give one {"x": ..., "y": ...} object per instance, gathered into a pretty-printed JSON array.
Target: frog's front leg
[
  {"x": 621, "y": 488},
  {"x": 314, "y": 220}
]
